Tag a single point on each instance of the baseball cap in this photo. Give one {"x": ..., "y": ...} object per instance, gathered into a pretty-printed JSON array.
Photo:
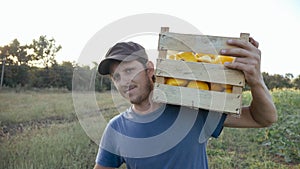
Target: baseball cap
[{"x": 122, "y": 51}]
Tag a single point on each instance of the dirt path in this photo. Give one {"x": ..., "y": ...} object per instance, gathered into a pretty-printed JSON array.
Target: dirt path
[{"x": 12, "y": 129}]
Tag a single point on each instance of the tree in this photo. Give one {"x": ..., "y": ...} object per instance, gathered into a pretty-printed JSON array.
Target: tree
[
  {"x": 67, "y": 73},
  {"x": 3, "y": 56},
  {"x": 296, "y": 82},
  {"x": 44, "y": 51},
  {"x": 19, "y": 53},
  {"x": 30, "y": 64},
  {"x": 289, "y": 76},
  {"x": 15, "y": 60},
  {"x": 61, "y": 75},
  {"x": 21, "y": 57},
  {"x": 278, "y": 81},
  {"x": 81, "y": 78}
]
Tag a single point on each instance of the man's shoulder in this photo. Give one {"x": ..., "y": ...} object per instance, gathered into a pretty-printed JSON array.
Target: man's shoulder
[{"x": 116, "y": 119}]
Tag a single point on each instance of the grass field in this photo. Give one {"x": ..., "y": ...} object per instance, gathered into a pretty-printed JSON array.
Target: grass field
[{"x": 42, "y": 130}]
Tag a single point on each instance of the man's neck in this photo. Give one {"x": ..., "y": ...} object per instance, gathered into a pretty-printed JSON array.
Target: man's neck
[{"x": 145, "y": 108}]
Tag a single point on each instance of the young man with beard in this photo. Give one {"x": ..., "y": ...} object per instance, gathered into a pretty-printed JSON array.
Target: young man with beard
[{"x": 152, "y": 135}]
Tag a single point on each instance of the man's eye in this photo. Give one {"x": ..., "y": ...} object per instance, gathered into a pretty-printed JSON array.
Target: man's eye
[
  {"x": 128, "y": 71},
  {"x": 116, "y": 77}
]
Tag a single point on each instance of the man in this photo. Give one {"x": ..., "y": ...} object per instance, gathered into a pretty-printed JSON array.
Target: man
[{"x": 147, "y": 134}]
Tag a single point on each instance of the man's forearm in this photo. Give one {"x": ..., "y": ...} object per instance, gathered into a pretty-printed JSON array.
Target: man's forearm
[{"x": 262, "y": 107}]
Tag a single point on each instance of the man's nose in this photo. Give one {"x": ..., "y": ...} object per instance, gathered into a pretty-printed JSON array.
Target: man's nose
[{"x": 125, "y": 80}]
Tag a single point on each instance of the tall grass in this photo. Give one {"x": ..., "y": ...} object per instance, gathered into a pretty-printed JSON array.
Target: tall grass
[
  {"x": 283, "y": 138},
  {"x": 64, "y": 144},
  {"x": 59, "y": 146},
  {"x": 30, "y": 106},
  {"x": 277, "y": 146}
]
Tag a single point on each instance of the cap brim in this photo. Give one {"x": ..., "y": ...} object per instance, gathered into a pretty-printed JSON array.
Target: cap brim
[{"x": 104, "y": 65}]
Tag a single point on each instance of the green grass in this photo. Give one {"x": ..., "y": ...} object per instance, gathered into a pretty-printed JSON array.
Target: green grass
[
  {"x": 277, "y": 146},
  {"x": 58, "y": 146},
  {"x": 283, "y": 138},
  {"x": 237, "y": 148},
  {"x": 41, "y": 130},
  {"x": 30, "y": 106}
]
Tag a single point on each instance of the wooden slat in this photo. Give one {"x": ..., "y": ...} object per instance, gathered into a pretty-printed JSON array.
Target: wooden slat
[
  {"x": 193, "y": 43},
  {"x": 245, "y": 36},
  {"x": 215, "y": 73},
  {"x": 215, "y": 101},
  {"x": 238, "y": 90},
  {"x": 162, "y": 53}
]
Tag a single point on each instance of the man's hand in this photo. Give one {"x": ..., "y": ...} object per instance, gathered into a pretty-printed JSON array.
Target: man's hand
[
  {"x": 248, "y": 59},
  {"x": 262, "y": 111}
]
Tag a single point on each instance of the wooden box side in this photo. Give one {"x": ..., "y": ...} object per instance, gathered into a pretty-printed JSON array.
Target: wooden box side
[
  {"x": 210, "y": 100},
  {"x": 200, "y": 71},
  {"x": 195, "y": 43}
]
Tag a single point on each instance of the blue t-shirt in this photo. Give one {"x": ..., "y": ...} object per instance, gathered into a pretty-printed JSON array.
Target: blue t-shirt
[{"x": 171, "y": 137}]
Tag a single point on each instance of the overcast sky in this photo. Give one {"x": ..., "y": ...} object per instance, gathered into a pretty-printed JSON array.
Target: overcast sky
[{"x": 275, "y": 24}]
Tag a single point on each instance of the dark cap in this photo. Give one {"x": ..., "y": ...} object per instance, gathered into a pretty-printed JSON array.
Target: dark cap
[{"x": 123, "y": 51}]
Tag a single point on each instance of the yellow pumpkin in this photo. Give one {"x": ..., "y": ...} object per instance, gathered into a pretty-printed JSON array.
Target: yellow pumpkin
[
  {"x": 186, "y": 56},
  {"x": 221, "y": 87},
  {"x": 217, "y": 87},
  {"x": 176, "y": 82},
  {"x": 229, "y": 90},
  {"x": 198, "y": 85},
  {"x": 221, "y": 59},
  {"x": 207, "y": 58}
]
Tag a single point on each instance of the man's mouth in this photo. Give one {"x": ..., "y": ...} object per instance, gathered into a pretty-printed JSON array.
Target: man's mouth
[{"x": 130, "y": 88}]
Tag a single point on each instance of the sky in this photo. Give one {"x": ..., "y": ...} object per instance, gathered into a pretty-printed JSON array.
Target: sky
[{"x": 274, "y": 24}]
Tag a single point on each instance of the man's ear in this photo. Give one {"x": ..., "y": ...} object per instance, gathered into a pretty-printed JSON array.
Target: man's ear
[{"x": 150, "y": 68}]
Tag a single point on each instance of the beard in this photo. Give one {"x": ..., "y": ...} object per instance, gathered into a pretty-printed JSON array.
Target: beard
[{"x": 145, "y": 93}]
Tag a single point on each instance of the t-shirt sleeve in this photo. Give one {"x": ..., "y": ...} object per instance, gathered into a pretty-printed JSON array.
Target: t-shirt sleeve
[
  {"x": 107, "y": 159},
  {"x": 220, "y": 126},
  {"x": 107, "y": 146}
]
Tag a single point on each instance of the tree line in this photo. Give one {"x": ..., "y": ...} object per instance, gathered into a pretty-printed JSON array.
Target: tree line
[{"x": 34, "y": 66}]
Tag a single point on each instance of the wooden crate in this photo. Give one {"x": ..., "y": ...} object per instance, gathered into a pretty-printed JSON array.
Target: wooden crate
[{"x": 200, "y": 71}]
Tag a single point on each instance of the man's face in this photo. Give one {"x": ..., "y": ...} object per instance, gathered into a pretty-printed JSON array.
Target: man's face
[{"x": 132, "y": 80}]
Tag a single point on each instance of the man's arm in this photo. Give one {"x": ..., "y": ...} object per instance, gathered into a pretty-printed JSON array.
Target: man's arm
[
  {"x": 97, "y": 166},
  {"x": 262, "y": 111}
]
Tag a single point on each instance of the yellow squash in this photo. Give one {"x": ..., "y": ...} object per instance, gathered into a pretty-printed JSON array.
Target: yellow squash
[
  {"x": 221, "y": 59},
  {"x": 186, "y": 56},
  {"x": 221, "y": 87},
  {"x": 175, "y": 81},
  {"x": 200, "y": 57},
  {"x": 198, "y": 85},
  {"x": 207, "y": 58}
]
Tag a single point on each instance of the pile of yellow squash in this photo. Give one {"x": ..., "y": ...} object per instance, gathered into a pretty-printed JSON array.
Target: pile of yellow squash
[{"x": 199, "y": 57}]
